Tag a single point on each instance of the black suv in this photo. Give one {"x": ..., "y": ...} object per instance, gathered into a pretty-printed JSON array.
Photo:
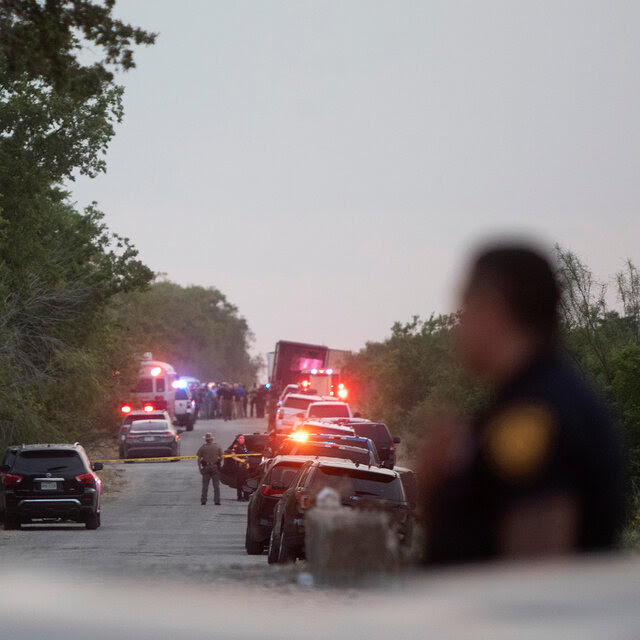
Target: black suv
[
  {"x": 279, "y": 474},
  {"x": 359, "y": 487},
  {"x": 52, "y": 482},
  {"x": 379, "y": 433}
]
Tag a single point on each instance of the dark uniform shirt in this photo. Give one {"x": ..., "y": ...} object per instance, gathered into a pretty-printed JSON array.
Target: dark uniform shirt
[
  {"x": 237, "y": 450},
  {"x": 209, "y": 455},
  {"x": 545, "y": 434}
]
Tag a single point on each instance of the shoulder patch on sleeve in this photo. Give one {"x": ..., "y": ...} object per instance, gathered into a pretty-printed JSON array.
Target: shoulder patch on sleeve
[{"x": 518, "y": 441}]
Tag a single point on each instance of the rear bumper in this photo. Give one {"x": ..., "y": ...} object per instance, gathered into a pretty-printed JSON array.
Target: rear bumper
[
  {"x": 65, "y": 508},
  {"x": 149, "y": 451}
]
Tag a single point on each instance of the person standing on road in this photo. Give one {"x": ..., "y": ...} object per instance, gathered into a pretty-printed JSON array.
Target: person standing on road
[
  {"x": 239, "y": 451},
  {"x": 540, "y": 470},
  {"x": 209, "y": 462},
  {"x": 225, "y": 396}
]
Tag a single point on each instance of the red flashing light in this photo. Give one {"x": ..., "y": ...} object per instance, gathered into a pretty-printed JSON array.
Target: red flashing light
[
  {"x": 126, "y": 408},
  {"x": 11, "y": 480},
  {"x": 305, "y": 384},
  {"x": 148, "y": 408},
  {"x": 156, "y": 371}
]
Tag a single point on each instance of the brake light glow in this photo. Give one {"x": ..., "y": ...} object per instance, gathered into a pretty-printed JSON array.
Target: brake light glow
[
  {"x": 300, "y": 436},
  {"x": 342, "y": 394},
  {"x": 86, "y": 478},
  {"x": 148, "y": 408},
  {"x": 268, "y": 490},
  {"x": 305, "y": 384},
  {"x": 11, "y": 480},
  {"x": 125, "y": 408},
  {"x": 156, "y": 371}
]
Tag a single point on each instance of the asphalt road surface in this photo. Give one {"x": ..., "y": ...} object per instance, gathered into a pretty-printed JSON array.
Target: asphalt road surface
[{"x": 155, "y": 526}]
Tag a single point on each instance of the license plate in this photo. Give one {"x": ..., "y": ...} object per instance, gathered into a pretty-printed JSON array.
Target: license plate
[
  {"x": 48, "y": 486},
  {"x": 149, "y": 439}
]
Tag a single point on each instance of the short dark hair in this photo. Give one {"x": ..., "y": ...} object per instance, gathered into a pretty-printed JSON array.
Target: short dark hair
[{"x": 526, "y": 281}]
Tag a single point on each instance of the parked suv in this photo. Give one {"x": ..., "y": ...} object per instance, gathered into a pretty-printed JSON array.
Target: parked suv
[
  {"x": 279, "y": 473},
  {"x": 150, "y": 438},
  {"x": 53, "y": 482},
  {"x": 358, "y": 487},
  {"x": 376, "y": 431},
  {"x": 293, "y": 408},
  {"x": 138, "y": 414}
]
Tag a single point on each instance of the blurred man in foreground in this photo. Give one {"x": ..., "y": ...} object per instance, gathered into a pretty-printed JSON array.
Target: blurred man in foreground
[{"x": 539, "y": 472}]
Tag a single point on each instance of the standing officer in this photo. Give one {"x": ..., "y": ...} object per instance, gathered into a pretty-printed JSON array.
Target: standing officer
[
  {"x": 209, "y": 461},
  {"x": 239, "y": 451},
  {"x": 540, "y": 470}
]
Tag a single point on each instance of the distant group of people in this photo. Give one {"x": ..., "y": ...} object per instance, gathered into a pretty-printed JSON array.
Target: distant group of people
[{"x": 230, "y": 401}]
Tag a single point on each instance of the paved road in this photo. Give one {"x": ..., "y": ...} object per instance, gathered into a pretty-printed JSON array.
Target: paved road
[{"x": 157, "y": 525}]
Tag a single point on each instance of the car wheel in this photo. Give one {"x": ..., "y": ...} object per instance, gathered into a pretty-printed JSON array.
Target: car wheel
[
  {"x": 121, "y": 453},
  {"x": 11, "y": 523},
  {"x": 285, "y": 552},
  {"x": 190, "y": 423},
  {"x": 253, "y": 547},
  {"x": 272, "y": 556},
  {"x": 93, "y": 521}
]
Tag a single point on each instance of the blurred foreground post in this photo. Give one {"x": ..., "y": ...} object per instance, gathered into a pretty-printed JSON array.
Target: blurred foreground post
[{"x": 347, "y": 546}]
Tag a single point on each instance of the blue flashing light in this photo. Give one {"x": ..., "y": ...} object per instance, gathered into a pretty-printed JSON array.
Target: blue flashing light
[
  {"x": 329, "y": 372},
  {"x": 314, "y": 372},
  {"x": 268, "y": 385},
  {"x": 180, "y": 384}
]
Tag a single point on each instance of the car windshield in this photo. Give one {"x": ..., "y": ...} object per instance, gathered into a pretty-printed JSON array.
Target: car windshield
[
  {"x": 330, "y": 451},
  {"x": 297, "y": 403},
  {"x": 150, "y": 425},
  {"x": 49, "y": 461},
  {"x": 353, "y": 482},
  {"x": 329, "y": 411},
  {"x": 181, "y": 394}
]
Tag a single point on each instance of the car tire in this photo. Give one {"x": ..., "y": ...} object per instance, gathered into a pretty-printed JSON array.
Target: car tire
[
  {"x": 253, "y": 547},
  {"x": 272, "y": 555},
  {"x": 190, "y": 423},
  {"x": 285, "y": 553},
  {"x": 93, "y": 521},
  {"x": 121, "y": 453},
  {"x": 11, "y": 523}
]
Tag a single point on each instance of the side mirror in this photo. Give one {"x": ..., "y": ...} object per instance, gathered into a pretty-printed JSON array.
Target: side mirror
[
  {"x": 5, "y": 468},
  {"x": 397, "y": 441},
  {"x": 97, "y": 466}
]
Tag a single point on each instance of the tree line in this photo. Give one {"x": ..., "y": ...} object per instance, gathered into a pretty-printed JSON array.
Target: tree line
[
  {"x": 77, "y": 305},
  {"x": 409, "y": 378}
]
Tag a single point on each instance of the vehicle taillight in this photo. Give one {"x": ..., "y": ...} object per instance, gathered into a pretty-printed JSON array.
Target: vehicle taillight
[
  {"x": 11, "y": 481},
  {"x": 86, "y": 478},
  {"x": 268, "y": 490},
  {"x": 303, "y": 499},
  {"x": 126, "y": 408},
  {"x": 148, "y": 408}
]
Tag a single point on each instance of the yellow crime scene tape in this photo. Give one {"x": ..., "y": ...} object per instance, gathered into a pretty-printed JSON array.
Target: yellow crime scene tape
[{"x": 171, "y": 458}]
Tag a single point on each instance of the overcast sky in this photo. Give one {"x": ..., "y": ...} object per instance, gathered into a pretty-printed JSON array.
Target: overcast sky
[{"x": 328, "y": 165}]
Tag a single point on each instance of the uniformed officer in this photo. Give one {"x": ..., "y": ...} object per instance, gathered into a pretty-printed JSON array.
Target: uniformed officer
[
  {"x": 540, "y": 470},
  {"x": 239, "y": 451},
  {"x": 209, "y": 461}
]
